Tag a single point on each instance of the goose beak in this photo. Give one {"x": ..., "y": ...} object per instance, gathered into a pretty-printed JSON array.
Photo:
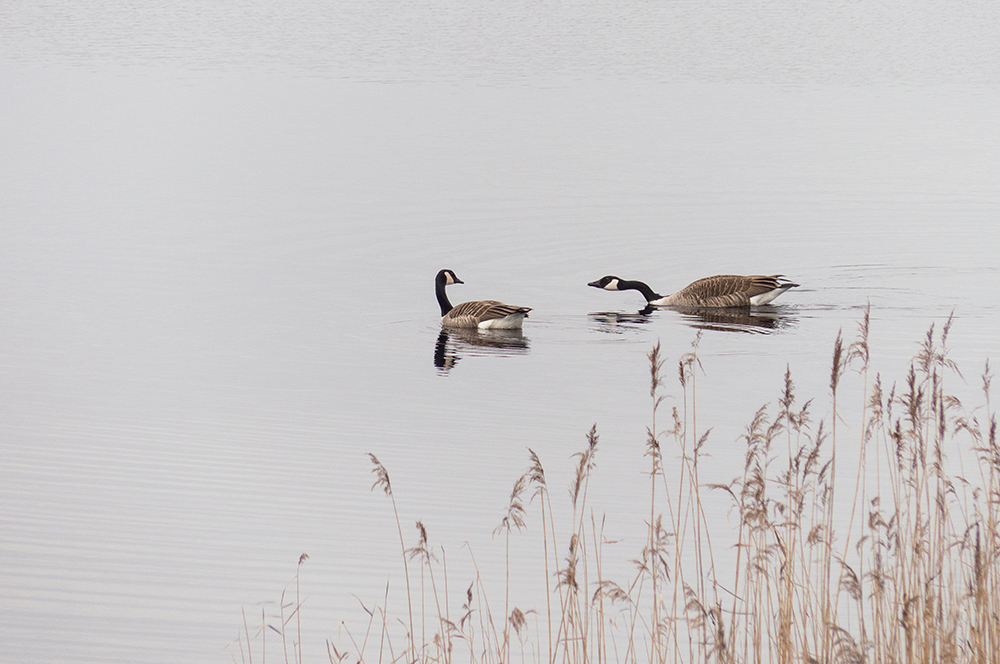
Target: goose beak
[{"x": 595, "y": 284}]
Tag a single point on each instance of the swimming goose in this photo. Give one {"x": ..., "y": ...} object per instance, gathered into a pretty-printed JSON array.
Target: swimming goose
[
  {"x": 481, "y": 313},
  {"x": 724, "y": 290}
]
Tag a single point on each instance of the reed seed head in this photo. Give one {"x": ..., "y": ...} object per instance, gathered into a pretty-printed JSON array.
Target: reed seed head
[{"x": 381, "y": 476}]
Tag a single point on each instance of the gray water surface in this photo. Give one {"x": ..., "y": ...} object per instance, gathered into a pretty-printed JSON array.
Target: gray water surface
[{"x": 221, "y": 224}]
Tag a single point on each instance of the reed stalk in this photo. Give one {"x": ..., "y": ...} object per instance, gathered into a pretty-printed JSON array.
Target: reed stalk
[
  {"x": 653, "y": 452},
  {"x": 382, "y": 482}
]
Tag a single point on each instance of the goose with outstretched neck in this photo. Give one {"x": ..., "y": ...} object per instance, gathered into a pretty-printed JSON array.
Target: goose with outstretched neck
[{"x": 724, "y": 290}]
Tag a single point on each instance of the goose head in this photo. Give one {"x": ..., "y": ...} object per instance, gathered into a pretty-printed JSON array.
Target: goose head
[
  {"x": 447, "y": 278},
  {"x": 607, "y": 283}
]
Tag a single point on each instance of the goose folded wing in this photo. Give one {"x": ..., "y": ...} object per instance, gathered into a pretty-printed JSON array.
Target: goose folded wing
[{"x": 484, "y": 310}]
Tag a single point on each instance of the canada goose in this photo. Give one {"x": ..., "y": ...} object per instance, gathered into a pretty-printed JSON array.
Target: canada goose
[
  {"x": 481, "y": 314},
  {"x": 724, "y": 290}
]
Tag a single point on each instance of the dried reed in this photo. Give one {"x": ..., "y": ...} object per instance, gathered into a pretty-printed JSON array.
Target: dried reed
[{"x": 917, "y": 581}]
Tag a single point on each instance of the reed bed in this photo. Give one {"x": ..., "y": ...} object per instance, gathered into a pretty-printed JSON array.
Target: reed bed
[{"x": 904, "y": 568}]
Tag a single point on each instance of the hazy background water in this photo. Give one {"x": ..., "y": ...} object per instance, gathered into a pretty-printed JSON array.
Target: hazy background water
[{"x": 221, "y": 223}]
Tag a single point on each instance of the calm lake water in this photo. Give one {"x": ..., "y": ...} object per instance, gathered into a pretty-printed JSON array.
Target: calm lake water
[{"x": 221, "y": 224}]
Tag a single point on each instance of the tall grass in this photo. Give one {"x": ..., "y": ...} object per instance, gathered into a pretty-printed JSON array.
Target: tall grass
[{"x": 903, "y": 568}]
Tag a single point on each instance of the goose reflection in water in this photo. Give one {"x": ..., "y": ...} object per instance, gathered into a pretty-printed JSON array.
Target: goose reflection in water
[
  {"x": 454, "y": 343},
  {"x": 749, "y": 320},
  {"x": 616, "y": 322}
]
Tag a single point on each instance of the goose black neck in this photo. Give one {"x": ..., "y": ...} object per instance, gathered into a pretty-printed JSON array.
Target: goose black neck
[
  {"x": 441, "y": 295},
  {"x": 643, "y": 288}
]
